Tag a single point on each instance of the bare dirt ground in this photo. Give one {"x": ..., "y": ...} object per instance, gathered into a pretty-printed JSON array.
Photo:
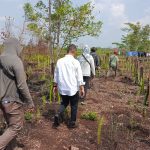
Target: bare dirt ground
[{"x": 126, "y": 125}]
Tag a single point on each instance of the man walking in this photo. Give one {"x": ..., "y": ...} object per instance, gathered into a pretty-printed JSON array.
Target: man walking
[
  {"x": 95, "y": 57},
  {"x": 68, "y": 79},
  {"x": 88, "y": 69},
  {"x": 14, "y": 91},
  {"x": 113, "y": 63}
]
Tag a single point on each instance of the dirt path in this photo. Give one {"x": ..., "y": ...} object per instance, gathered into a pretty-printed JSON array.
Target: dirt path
[{"x": 125, "y": 128}]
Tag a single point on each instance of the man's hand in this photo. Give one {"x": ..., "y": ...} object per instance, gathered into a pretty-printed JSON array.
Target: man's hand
[
  {"x": 82, "y": 92},
  {"x": 55, "y": 89}
]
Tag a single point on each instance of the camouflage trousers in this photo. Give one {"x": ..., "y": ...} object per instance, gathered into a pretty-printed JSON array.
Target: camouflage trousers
[{"x": 14, "y": 116}]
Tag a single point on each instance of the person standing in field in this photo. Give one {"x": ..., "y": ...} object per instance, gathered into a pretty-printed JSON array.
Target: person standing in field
[
  {"x": 95, "y": 57},
  {"x": 113, "y": 62},
  {"x": 14, "y": 91},
  {"x": 88, "y": 69},
  {"x": 68, "y": 79}
]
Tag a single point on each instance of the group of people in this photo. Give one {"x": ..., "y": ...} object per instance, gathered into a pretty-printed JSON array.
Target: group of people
[{"x": 71, "y": 79}]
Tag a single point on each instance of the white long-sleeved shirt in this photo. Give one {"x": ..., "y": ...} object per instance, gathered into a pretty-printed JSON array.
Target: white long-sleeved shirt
[
  {"x": 68, "y": 75},
  {"x": 86, "y": 68}
]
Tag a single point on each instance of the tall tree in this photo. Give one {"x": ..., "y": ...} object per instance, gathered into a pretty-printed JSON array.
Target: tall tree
[{"x": 68, "y": 23}]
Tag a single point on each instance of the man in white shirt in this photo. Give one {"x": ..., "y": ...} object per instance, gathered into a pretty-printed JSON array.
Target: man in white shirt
[
  {"x": 68, "y": 79},
  {"x": 88, "y": 68}
]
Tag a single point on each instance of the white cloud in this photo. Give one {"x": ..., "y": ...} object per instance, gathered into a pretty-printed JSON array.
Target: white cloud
[
  {"x": 118, "y": 15},
  {"x": 10, "y": 0},
  {"x": 147, "y": 11},
  {"x": 145, "y": 19},
  {"x": 118, "y": 10},
  {"x": 2, "y": 18},
  {"x": 20, "y": 6},
  {"x": 114, "y": 11}
]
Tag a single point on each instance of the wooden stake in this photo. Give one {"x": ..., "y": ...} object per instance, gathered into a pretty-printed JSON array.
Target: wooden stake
[{"x": 149, "y": 90}]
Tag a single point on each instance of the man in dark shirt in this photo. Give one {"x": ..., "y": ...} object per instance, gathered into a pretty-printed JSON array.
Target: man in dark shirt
[{"x": 96, "y": 58}]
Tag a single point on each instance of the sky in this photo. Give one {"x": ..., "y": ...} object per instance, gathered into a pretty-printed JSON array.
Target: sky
[{"x": 113, "y": 14}]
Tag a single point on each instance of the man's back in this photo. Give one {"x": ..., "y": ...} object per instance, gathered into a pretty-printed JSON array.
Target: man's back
[
  {"x": 12, "y": 86},
  {"x": 96, "y": 59},
  {"x": 67, "y": 75},
  {"x": 12, "y": 76},
  {"x": 87, "y": 64},
  {"x": 7, "y": 77},
  {"x": 113, "y": 60}
]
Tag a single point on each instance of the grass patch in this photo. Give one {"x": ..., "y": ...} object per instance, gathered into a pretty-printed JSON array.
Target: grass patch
[
  {"x": 89, "y": 116},
  {"x": 28, "y": 116}
]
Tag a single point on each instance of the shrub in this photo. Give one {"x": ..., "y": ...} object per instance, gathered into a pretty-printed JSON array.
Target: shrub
[
  {"x": 89, "y": 116},
  {"x": 28, "y": 116}
]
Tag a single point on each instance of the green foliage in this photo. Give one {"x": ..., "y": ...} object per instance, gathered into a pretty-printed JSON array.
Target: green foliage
[
  {"x": 59, "y": 98},
  {"x": 142, "y": 86},
  {"x": 43, "y": 77},
  {"x": 1, "y": 49},
  {"x": 43, "y": 101},
  {"x": 99, "y": 131},
  {"x": 38, "y": 113},
  {"x": 51, "y": 92},
  {"x": 89, "y": 116},
  {"x": 137, "y": 37},
  {"x": 68, "y": 22},
  {"x": 29, "y": 71},
  {"x": 28, "y": 116}
]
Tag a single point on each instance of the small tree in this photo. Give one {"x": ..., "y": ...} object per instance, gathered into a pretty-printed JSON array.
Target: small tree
[{"x": 137, "y": 37}]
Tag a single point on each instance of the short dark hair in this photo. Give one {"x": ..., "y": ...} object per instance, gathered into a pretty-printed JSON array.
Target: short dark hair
[
  {"x": 71, "y": 47},
  {"x": 93, "y": 49}
]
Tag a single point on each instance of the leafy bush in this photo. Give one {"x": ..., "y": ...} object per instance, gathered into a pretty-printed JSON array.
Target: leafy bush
[
  {"x": 89, "y": 116},
  {"x": 28, "y": 116}
]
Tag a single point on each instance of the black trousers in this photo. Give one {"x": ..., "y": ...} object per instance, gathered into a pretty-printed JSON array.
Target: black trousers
[
  {"x": 86, "y": 79},
  {"x": 73, "y": 101}
]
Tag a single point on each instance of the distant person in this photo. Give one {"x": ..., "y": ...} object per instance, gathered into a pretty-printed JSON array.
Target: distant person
[
  {"x": 88, "y": 69},
  {"x": 96, "y": 58},
  {"x": 113, "y": 62},
  {"x": 14, "y": 91},
  {"x": 68, "y": 79}
]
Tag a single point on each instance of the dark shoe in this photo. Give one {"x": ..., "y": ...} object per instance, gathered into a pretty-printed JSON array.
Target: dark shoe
[
  {"x": 72, "y": 125},
  {"x": 56, "y": 121},
  {"x": 61, "y": 117}
]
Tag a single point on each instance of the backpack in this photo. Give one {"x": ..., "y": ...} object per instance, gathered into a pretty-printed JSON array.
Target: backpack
[{"x": 110, "y": 62}]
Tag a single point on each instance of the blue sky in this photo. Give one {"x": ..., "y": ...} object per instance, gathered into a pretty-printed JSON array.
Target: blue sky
[{"x": 113, "y": 14}]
